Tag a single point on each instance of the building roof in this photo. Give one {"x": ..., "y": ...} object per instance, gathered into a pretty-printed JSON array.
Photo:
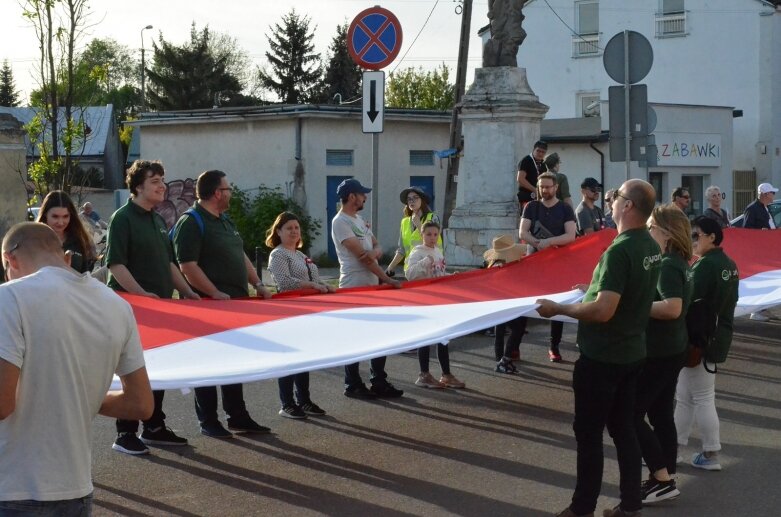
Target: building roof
[
  {"x": 97, "y": 119},
  {"x": 583, "y": 129}
]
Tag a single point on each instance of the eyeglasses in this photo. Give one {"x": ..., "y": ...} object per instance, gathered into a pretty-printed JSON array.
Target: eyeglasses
[
  {"x": 547, "y": 187},
  {"x": 412, "y": 199},
  {"x": 685, "y": 197},
  {"x": 656, "y": 227},
  {"x": 6, "y": 264},
  {"x": 696, "y": 236},
  {"x": 224, "y": 188}
]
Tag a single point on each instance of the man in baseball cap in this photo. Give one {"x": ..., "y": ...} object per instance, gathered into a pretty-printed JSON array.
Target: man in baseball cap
[
  {"x": 351, "y": 186},
  {"x": 757, "y": 215}
]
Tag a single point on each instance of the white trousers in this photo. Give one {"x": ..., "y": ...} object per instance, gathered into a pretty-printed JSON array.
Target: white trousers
[{"x": 695, "y": 399}]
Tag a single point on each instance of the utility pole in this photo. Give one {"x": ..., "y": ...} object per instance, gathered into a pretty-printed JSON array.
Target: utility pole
[
  {"x": 143, "y": 70},
  {"x": 455, "y": 122}
]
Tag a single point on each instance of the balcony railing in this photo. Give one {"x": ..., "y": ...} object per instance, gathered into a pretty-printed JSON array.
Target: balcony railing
[
  {"x": 670, "y": 24},
  {"x": 585, "y": 45}
]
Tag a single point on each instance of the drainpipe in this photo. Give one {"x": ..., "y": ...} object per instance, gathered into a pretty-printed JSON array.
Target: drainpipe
[
  {"x": 601, "y": 172},
  {"x": 299, "y": 124}
]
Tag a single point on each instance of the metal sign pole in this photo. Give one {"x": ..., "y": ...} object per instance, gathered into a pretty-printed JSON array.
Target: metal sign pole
[
  {"x": 375, "y": 183},
  {"x": 627, "y": 118}
]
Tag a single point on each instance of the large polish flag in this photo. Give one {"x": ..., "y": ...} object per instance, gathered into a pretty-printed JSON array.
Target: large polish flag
[{"x": 210, "y": 342}]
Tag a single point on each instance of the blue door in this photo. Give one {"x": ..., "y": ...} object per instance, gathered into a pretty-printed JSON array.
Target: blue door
[
  {"x": 425, "y": 183},
  {"x": 332, "y": 208}
]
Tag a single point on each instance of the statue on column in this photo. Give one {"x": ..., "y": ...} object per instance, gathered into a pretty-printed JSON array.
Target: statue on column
[{"x": 507, "y": 33}]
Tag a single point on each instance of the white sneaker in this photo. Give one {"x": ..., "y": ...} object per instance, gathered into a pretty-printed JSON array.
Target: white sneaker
[{"x": 758, "y": 316}]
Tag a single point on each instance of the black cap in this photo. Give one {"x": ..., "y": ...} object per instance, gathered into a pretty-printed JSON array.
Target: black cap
[
  {"x": 351, "y": 186},
  {"x": 591, "y": 183}
]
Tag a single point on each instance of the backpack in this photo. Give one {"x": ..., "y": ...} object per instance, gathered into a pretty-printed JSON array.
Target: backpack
[
  {"x": 192, "y": 212},
  {"x": 701, "y": 323}
]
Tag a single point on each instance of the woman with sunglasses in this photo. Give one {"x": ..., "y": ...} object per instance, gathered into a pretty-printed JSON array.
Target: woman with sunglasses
[
  {"x": 59, "y": 213},
  {"x": 715, "y": 279},
  {"x": 666, "y": 341}
]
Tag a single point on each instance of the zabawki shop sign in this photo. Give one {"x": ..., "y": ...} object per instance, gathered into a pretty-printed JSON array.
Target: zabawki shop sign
[{"x": 688, "y": 149}]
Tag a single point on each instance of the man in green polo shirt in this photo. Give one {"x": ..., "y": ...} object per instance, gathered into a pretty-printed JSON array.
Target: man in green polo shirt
[
  {"x": 211, "y": 256},
  {"x": 611, "y": 335},
  {"x": 140, "y": 261}
]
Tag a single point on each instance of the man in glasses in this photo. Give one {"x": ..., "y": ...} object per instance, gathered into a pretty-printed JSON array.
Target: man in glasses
[
  {"x": 590, "y": 218},
  {"x": 611, "y": 336},
  {"x": 63, "y": 336},
  {"x": 758, "y": 216},
  {"x": 681, "y": 199}
]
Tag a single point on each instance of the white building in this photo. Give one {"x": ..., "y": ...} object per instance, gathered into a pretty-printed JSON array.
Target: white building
[
  {"x": 307, "y": 151},
  {"x": 710, "y": 53}
]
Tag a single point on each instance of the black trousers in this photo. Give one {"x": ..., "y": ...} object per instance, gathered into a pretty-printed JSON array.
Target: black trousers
[
  {"x": 424, "y": 355},
  {"x": 517, "y": 330},
  {"x": 232, "y": 403},
  {"x": 156, "y": 420},
  {"x": 656, "y": 398},
  {"x": 352, "y": 376},
  {"x": 301, "y": 383},
  {"x": 605, "y": 396}
]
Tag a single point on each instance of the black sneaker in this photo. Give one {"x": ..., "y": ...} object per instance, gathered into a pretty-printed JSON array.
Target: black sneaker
[
  {"x": 386, "y": 390},
  {"x": 359, "y": 391},
  {"x": 129, "y": 444},
  {"x": 505, "y": 365},
  {"x": 162, "y": 436},
  {"x": 246, "y": 425},
  {"x": 654, "y": 490},
  {"x": 310, "y": 408},
  {"x": 215, "y": 430},
  {"x": 292, "y": 411}
]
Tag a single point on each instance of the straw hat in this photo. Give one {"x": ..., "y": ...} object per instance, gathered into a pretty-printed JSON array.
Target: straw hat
[{"x": 504, "y": 248}]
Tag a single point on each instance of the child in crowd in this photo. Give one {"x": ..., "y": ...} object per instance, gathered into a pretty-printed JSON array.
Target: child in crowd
[{"x": 426, "y": 261}]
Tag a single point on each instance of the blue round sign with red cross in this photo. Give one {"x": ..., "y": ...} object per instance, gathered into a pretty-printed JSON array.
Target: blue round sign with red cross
[{"x": 374, "y": 38}]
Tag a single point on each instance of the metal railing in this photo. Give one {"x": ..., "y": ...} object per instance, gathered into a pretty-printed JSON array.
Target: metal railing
[
  {"x": 670, "y": 24},
  {"x": 585, "y": 45}
]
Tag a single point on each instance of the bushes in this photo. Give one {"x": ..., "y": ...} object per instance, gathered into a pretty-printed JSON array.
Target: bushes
[{"x": 254, "y": 215}]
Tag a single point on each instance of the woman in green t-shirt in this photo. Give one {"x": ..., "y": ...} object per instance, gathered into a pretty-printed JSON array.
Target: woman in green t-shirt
[{"x": 666, "y": 341}]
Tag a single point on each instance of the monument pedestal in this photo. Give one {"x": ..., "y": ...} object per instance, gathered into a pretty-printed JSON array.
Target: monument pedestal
[{"x": 501, "y": 118}]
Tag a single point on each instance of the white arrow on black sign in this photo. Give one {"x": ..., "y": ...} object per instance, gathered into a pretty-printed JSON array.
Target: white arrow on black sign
[{"x": 373, "y": 101}]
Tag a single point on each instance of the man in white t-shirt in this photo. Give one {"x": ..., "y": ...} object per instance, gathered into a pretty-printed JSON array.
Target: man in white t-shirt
[
  {"x": 358, "y": 252},
  {"x": 63, "y": 336}
]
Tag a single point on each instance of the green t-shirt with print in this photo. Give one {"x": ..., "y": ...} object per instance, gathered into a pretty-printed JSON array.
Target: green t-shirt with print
[
  {"x": 666, "y": 338},
  {"x": 715, "y": 278},
  {"x": 138, "y": 239},
  {"x": 218, "y": 250},
  {"x": 629, "y": 267}
]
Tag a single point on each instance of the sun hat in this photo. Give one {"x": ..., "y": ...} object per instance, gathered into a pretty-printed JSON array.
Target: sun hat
[
  {"x": 417, "y": 190},
  {"x": 504, "y": 248}
]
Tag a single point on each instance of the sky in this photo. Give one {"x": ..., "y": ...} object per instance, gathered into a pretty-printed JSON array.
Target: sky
[{"x": 248, "y": 22}]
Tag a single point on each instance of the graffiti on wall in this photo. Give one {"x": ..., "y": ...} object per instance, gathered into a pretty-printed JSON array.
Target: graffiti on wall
[{"x": 179, "y": 196}]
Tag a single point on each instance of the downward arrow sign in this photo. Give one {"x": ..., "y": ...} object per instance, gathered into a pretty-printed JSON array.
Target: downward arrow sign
[{"x": 372, "y": 101}]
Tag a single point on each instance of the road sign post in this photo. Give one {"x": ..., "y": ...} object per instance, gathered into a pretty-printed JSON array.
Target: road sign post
[{"x": 373, "y": 41}]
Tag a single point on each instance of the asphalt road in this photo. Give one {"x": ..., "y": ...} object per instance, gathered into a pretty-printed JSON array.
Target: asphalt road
[{"x": 503, "y": 446}]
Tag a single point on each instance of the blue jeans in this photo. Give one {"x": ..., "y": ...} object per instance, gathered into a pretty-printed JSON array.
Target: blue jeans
[
  {"x": 605, "y": 396},
  {"x": 81, "y": 507}
]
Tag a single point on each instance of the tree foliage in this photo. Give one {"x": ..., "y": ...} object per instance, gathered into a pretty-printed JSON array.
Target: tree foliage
[
  {"x": 9, "y": 96},
  {"x": 416, "y": 88},
  {"x": 198, "y": 74},
  {"x": 296, "y": 73},
  {"x": 342, "y": 75},
  {"x": 253, "y": 215}
]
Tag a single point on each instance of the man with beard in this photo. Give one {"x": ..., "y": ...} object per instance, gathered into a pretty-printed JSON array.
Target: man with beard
[
  {"x": 211, "y": 256},
  {"x": 358, "y": 252},
  {"x": 590, "y": 217}
]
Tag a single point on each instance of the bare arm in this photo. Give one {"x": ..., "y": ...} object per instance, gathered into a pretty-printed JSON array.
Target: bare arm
[
  {"x": 369, "y": 259},
  {"x": 198, "y": 279},
  {"x": 667, "y": 309},
  {"x": 181, "y": 284},
  {"x": 520, "y": 177},
  {"x": 570, "y": 231},
  {"x": 254, "y": 279},
  {"x": 9, "y": 380},
  {"x": 126, "y": 280},
  {"x": 598, "y": 311},
  {"x": 524, "y": 233},
  {"x": 134, "y": 401}
]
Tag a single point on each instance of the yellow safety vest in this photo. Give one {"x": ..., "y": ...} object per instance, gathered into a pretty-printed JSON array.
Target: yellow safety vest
[{"x": 411, "y": 238}]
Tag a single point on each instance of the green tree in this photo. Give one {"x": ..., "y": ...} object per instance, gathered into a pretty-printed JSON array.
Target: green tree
[
  {"x": 253, "y": 215},
  {"x": 8, "y": 94},
  {"x": 411, "y": 88},
  {"x": 296, "y": 73},
  {"x": 195, "y": 75},
  {"x": 342, "y": 75}
]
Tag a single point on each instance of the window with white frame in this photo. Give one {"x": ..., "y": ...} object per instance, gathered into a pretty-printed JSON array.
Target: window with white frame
[
  {"x": 671, "y": 19},
  {"x": 586, "y": 41},
  {"x": 588, "y": 104}
]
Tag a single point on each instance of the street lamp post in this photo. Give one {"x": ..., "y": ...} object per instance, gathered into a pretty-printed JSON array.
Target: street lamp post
[{"x": 143, "y": 71}]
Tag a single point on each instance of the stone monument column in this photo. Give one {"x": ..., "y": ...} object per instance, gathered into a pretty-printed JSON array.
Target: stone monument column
[
  {"x": 13, "y": 160},
  {"x": 501, "y": 118}
]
